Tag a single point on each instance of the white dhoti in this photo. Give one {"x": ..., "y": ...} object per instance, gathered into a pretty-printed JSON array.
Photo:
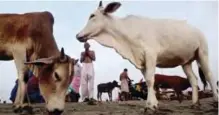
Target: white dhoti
[
  {"x": 87, "y": 80},
  {"x": 124, "y": 85}
]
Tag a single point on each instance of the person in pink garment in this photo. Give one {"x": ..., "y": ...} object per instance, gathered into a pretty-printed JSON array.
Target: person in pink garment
[
  {"x": 73, "y": 90},
  {"x": 76, "y": 79}
]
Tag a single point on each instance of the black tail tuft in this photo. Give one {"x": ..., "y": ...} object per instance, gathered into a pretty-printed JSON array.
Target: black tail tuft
[{"x": 202, "y": 76}]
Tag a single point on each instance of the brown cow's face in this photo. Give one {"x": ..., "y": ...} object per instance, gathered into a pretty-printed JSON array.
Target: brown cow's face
[
  {"x": 53, "y": 82},
  {"x": 55, "y": 75}
]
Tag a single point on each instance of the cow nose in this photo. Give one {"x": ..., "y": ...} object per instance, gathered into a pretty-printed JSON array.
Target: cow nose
[
  {"x": 78, "y": 36},
  {"x": 81, "y": 38},
  {"x": 56, "y": 112}
]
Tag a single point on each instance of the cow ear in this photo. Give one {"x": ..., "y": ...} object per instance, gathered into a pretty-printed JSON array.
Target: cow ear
[
  {"x": 42, "y": 61},
  {"x": 112, "y": 7}
]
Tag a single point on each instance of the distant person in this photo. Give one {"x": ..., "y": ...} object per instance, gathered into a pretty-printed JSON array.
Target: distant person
[
  {"x": 138, "y": 87},
  {"x": 33, "y": 90},
  {"x": 87, "y": 74},
  {"x": 4, "y": 102},
  {"x": 73, "y": 90},
  {"x": 14, "y": 91},
  {"x": 124, "y": 84},
  {"x": 27, "y": 76}
]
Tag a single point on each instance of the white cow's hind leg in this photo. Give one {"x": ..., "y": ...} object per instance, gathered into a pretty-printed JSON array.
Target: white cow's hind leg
[
  {"x": 148, "y": 73},
  {"x": 193, "y": 81},
  {"x": 204, "y": 64}
]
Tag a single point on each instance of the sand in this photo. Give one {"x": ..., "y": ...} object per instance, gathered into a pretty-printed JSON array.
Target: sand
[{"x": 126, "y": 108}]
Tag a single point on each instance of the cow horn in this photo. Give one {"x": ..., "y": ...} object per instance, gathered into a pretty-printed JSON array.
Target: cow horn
[{"x": 62, "y": 56}]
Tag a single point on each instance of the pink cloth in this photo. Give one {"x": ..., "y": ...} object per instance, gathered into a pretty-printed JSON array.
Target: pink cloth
[{"x": 76, "y": 84}]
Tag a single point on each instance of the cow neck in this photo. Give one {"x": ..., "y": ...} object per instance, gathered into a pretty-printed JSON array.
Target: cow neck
[{"x": 116, "y": 36}]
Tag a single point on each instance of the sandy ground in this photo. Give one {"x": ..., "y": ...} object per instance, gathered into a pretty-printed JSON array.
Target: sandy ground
[{"x": 126, "y": 108}]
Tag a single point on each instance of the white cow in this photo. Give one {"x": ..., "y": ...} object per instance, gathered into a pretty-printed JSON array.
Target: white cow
[{"x": 149, "y": 43}]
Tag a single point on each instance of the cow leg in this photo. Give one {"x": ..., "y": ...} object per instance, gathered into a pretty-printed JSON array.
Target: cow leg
[
  {"x": 157, "y": 92},
  {"x": 110, "y": 96},
  {"x": 179, "y": 95},
  {"x": 148, "y": 73},
  {"x": 19, "y": 58},
  {"x": 100, "y": 96},
  {"x": 204, "y": 64},
  {"x": 193, "y": 81}
]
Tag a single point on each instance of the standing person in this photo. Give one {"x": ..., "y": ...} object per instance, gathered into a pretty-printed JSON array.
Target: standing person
[
  {"x": 14, "y": 91},
  {"x": 73, "y": 91},
  {"x": 87, "y": 74},
  {"x": 33, "y": 89},
  {"x": 124, "y": 83}
]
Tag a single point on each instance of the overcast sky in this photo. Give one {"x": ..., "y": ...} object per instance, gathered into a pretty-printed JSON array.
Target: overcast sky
[{"x": 70, "y": 18}]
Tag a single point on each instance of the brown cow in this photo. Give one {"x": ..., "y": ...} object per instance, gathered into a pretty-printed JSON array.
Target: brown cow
[
  {"x": 177, "y": 83},
  {"x": 29, "y": 37}
]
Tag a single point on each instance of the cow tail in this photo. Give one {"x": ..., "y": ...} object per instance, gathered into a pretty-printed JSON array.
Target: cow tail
[{"x": 202, "y": 76}]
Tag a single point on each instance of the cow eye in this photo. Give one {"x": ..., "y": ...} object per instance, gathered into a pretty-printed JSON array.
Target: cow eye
[
  {"x": 91, "y": 16},
  {"x": 57, "y": 77}
]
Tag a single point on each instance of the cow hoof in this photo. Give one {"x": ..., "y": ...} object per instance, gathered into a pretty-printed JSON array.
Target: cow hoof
[
  {"x": 151, "y": 106},
  {"x": 27, "y": 110},
  {"x": 17, "y": 109},
  {"x": 148, "y": 111},
  {"x": 215, "y": 104},
  {"x": 196, "y": 106},
  {"x": 14, "y": 106}
]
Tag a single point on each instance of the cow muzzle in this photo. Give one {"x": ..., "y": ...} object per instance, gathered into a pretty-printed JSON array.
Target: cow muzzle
[
  {"x": 56, "y": 105},
  {"x": 81, "y": 38},
  {"x": 55, "y": 112}
]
